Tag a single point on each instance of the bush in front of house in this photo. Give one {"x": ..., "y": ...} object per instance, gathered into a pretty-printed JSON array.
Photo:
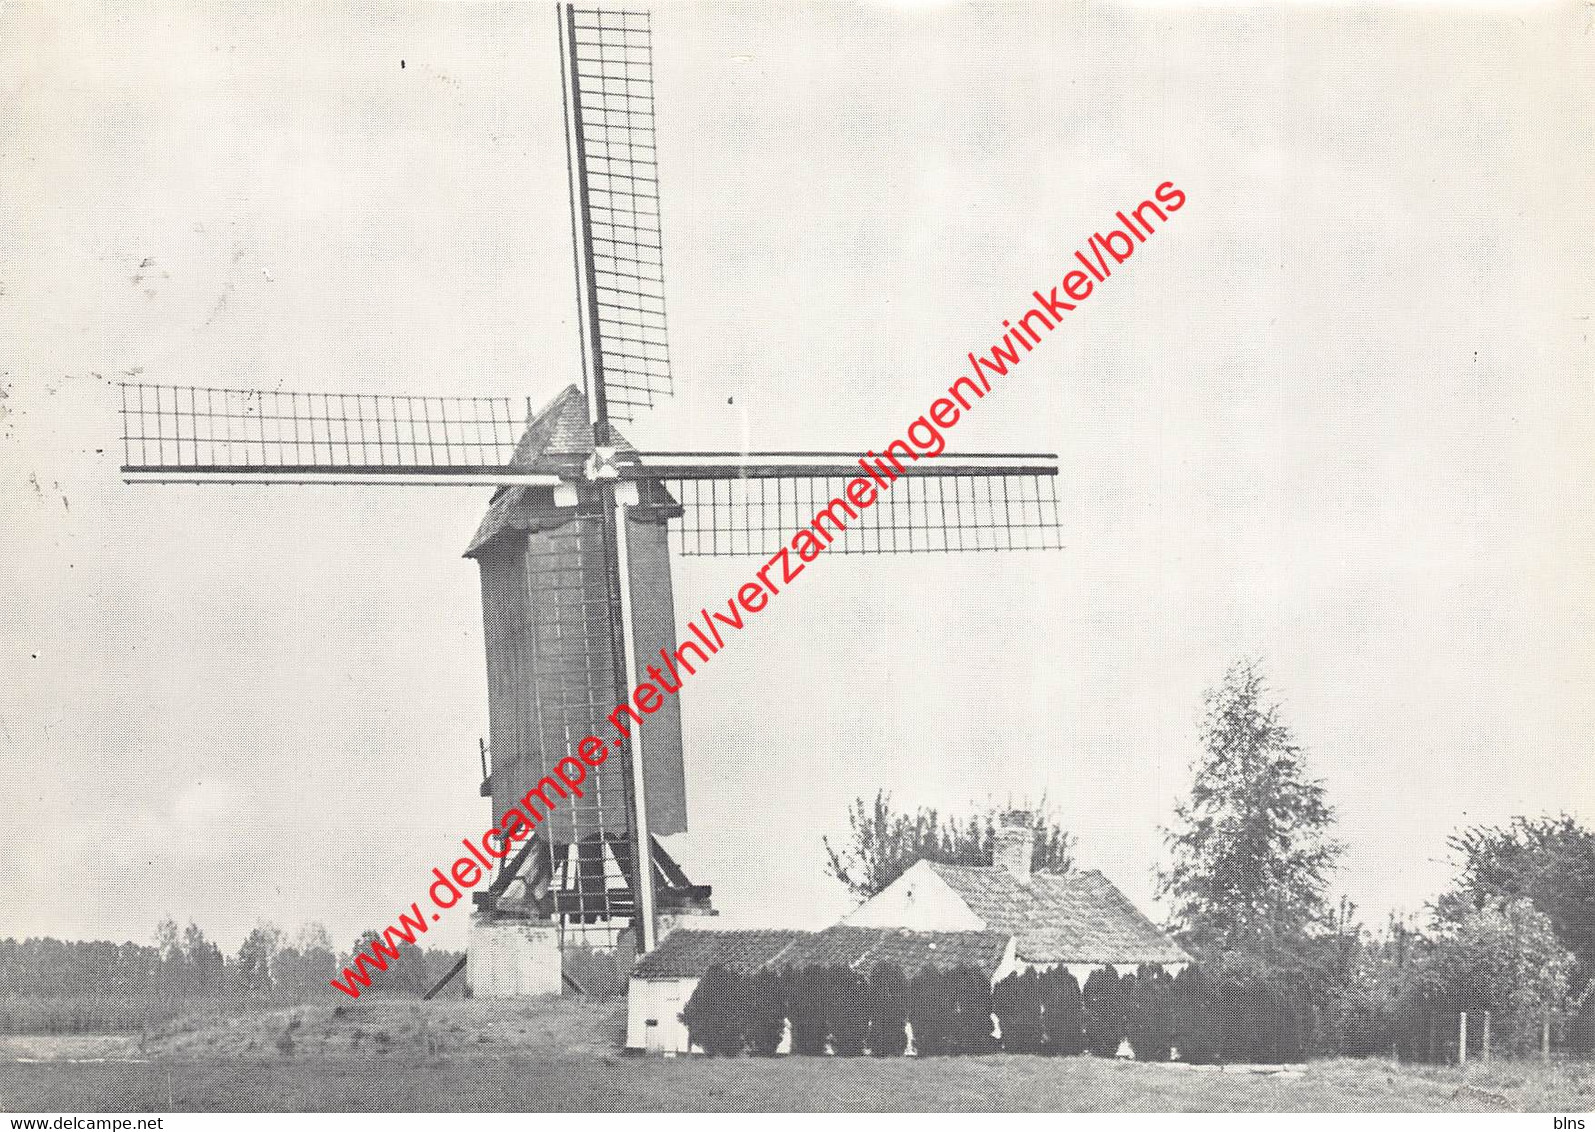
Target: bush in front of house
[
  {"x": 932, "y": 1012},
  {"x": 807, "y": 1000},
  {"x": 1196, "y": 1032},
  {"x": 1259, "y": 1013},
  {"x": 715, "y": 1013},
  {"x": 1151, "y": 1021},
  {"x": 766, "y": 1017},
  {"x": 1062, "y": 1021},
  {"x": 846, "y": 1010},
  {"x": 1102, "y": 1002},
  {"x": 1278, "y": 1018},
  {"x": 971, "y": 1010},
  {"x": 886, "y": 1004},
  {"x": 1016, "y": 1001}
]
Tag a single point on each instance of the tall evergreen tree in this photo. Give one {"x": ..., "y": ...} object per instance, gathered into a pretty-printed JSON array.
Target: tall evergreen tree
[{"x": 1251, "y": 851}]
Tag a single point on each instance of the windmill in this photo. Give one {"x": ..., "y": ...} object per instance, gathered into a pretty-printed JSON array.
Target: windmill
[{"x": 576, "y": 546}]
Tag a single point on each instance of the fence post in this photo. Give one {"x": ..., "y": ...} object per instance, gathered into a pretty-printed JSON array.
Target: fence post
[
  {"x": 1462, "y": 1039},
  {"x": 1486, "y": 1037},
  {"x": 1545, "y": 1038},
  {"x": 1431, "y": 1039}
]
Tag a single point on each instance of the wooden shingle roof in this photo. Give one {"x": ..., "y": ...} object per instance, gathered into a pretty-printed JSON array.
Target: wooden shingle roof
[
  {"x": 558, "y": 441},
  {"x": 1077, "y": 917}
]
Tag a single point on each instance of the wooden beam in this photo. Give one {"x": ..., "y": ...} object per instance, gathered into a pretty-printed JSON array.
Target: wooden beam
[{"x": 446, "y": 979}]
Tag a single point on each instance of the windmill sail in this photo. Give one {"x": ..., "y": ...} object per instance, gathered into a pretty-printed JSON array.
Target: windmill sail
[
  {"x": 184, "y": 433},
  {"x": 735, "y": 505},
  {"x": 614, "y": 162}
]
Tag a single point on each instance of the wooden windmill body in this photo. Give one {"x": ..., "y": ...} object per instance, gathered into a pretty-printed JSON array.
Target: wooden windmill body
[{"x": 576, "y": 547}]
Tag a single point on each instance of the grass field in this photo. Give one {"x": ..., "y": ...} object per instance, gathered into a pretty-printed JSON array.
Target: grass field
[{"x": 562, "y": 1056}]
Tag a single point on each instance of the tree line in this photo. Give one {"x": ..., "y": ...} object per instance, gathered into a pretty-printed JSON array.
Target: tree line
[{"x": 53, "y": 985}]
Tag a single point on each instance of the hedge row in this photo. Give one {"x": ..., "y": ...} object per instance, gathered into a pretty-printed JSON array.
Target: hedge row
[
  {"x": 836, "y": 1009},
  {"x": 839, "y": 1010}
]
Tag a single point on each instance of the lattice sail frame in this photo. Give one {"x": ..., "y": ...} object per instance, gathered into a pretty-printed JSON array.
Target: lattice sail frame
[
  {"x": 609, "y": 56},
  {"x": 942, "y": 511},
  {"x": 212, "y": 429}
]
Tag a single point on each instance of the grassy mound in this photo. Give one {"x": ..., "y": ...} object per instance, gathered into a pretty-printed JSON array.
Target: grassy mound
[{"x": 380, "y": 1027}]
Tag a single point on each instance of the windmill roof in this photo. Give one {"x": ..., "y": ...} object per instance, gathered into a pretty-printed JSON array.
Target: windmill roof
[
  {"x": 687, "y": 954},
  {"x": 557, "y": 441},
  {"x": 1076, "y": 917},
  {"x": 560, "y": 436}
]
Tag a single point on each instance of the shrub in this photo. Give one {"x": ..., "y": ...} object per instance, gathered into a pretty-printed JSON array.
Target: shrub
[
  {"x": 971, "y": 1010},
  {"x": 714, "y": 1014},
  {"x": 1062, "y": 1022},
  {"x": 1505, "y": 958},
  {"x": 1581, "y": 1028},
  {"x": 1236, "y": 1016},
  {"x": 766, "y": 1017},
  {"x": 1151, "y": 1021},
  {"x": 1260, "y": 1015},
  {"x": 846, "y": 1010},
  {"x": 1195, "y": 1017},
  {"x": 1102, "y": 1002},
  {"x": 806, "y": 1009},
  {"x": 932, "y": 1012},
  {"x": 1016, "y": 1001},
  {"x": 1295, "y": 1018},
  {"x": 886, "y": 1004}
]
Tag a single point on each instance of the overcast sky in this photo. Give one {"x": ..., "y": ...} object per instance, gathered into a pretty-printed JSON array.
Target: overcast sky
[{"x": 1337, "y": 415}]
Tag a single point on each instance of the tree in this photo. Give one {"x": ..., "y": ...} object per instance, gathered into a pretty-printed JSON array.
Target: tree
[
  {"x": 971, "y": 992},
  {"x": 932, "y": 1012},
  {"x": 1251, "y": 851},
  {"x": 308, "y": 965},
  {"x": 406, "y": 975},
  {"x": 1016, "y": 1001},
  {"x": 846, "y": 1009},
  {"x": 257, "y": 957},
  {"x": 883, "y": 843},
  {"x": 1549, "y": 862},
  {"x": 807, "y": 1001},
  {"x": 1196, "y": 1019},
  {"x": 167, "y": 940},
  {"x": 1505, "y": 959},
  {"x": 766, "y": 1020},
  {"x": 203, "y": 963},
  {"x": 1254, "y": 1010},
  {"x": 714, "y": 1014},
  {"x": 1102, "y": 1002},
  {"x": 887, "y": 1006},
  {"x": 1062, "y": 1019},
  {"x": 1151, "y": 1020}
]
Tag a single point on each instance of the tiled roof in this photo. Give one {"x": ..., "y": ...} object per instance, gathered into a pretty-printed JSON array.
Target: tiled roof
[
  {"x": 1077, "y": 917},
  {"x": 688, "y": 954},
  {"x": 557, "y": 441}
]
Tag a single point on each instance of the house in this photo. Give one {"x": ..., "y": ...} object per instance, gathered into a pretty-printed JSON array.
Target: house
[
  {"x": 664, "y": 979},
  {"x": 1078, "y": 920}
]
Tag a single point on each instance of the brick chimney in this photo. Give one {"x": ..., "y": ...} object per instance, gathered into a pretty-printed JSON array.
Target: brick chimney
[{"x": 1015, "y": 843}]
